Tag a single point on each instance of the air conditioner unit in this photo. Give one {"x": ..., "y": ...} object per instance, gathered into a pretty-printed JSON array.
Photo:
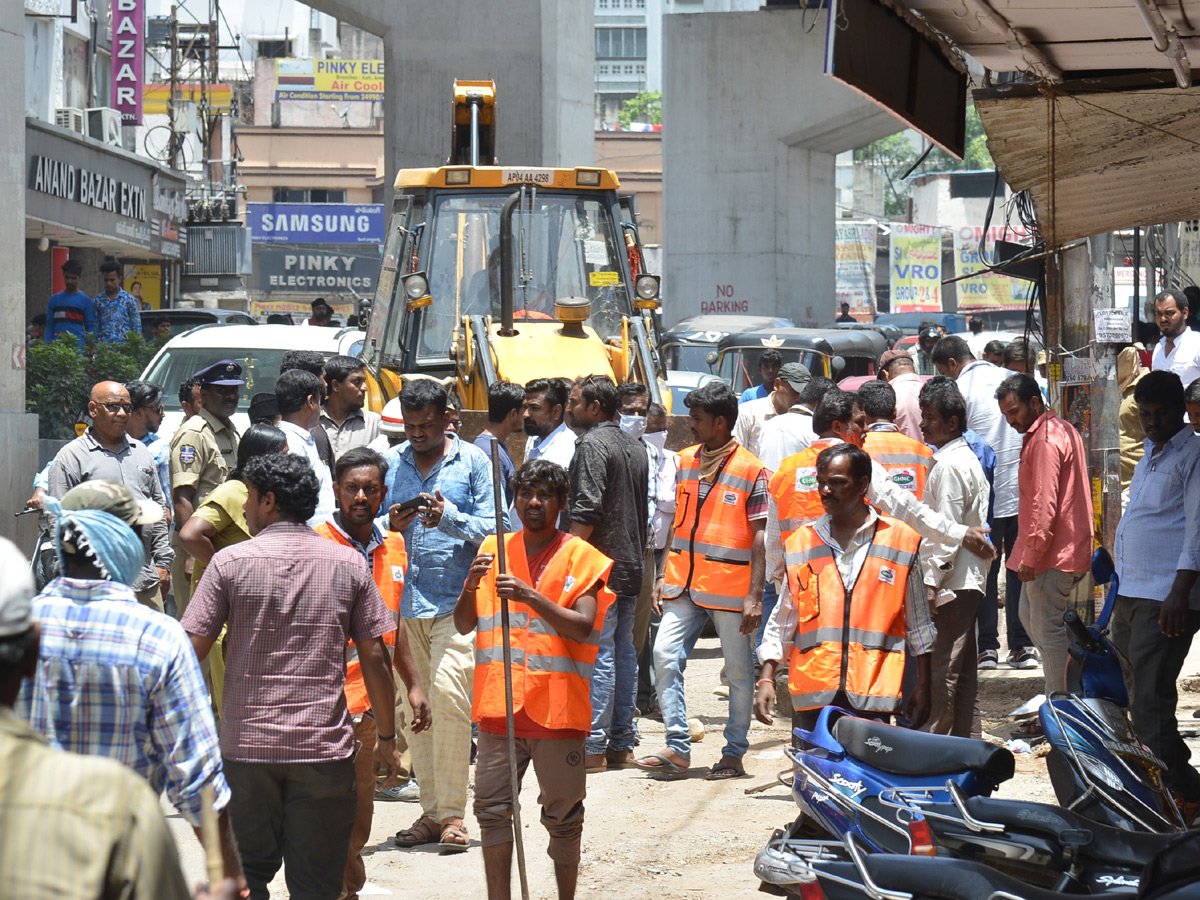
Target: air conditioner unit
[
  {"x": 69, "y": 117},
  {"x": 104, "y": 125}
]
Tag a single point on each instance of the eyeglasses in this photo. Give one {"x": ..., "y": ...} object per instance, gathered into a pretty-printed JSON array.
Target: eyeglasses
[{"x": 115, "y": 408}]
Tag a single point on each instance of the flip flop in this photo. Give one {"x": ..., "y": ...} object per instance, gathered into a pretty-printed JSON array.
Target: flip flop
[
  {"x": 595, "y": 763},
  {"x": 454, "y": 839},
  {"x": 724, "y": 772},
  {"x": 666, "y": 767}
]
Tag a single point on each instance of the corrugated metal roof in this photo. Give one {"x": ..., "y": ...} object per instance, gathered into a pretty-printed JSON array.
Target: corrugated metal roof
[
  {"x": 1074, "y": 35},
  {"x": 1120, "y": 158}
]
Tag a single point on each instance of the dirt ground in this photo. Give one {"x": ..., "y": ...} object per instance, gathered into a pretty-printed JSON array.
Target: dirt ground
[{"x": 663, "y": 840}]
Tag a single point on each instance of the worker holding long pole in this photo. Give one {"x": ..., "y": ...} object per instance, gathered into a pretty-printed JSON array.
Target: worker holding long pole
[{"x": 533, "y": 706}]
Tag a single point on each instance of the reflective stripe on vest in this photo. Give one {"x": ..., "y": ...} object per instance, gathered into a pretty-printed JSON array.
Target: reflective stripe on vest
[
  {"x": 389, "y": 561},
  {"x": 850, "y": 641},
  {"x": 794, "y": 487},
  {"x": 550, "y": 673},
  {"x": 907, "y": 461},
  {"x": 712, "y": 542}
]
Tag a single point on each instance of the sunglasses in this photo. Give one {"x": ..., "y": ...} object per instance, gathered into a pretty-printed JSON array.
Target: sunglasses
[{"x": 115, "y": 408}]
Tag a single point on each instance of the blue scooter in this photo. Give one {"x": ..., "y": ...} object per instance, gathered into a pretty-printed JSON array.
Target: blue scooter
[
  {"x": 1098, "y": 766},
  {"x": 865, "y": 777}
]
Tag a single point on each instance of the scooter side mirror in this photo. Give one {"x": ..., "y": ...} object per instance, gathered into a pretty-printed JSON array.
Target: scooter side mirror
[{"x": 1103, "y": 568}]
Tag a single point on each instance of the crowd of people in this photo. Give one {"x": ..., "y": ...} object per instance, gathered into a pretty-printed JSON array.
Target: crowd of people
[{"x": 233, "y": 613}]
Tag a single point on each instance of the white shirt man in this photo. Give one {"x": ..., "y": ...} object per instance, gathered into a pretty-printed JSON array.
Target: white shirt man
[
  {"x": 1184, "y": 358},
  {"x": 301, "y": 441},
  {"x": 785, "y": 435},
  {"x": 752, "y": 416},
  {"x": 558, "y": 446}
]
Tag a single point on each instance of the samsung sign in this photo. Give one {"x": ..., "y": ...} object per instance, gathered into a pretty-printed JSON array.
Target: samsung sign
[
  {"x": 315, "y": 223},
  {"x": 312, "y": 270}
]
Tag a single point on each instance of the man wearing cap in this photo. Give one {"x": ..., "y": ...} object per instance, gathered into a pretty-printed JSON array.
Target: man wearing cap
[
  {"x": 897, "y": 368},
  {"x": 922, "y": 356},
  {"x": 93, "y": 827},
  {"x": 116, "y": 679},
  {"x": 391, "y": 427},
  {"x": 791, "y": 431},
  {"x": 204, "y": 449},
  {"x": 264, "y": 409},
  {"x": 105, "y": 451}
]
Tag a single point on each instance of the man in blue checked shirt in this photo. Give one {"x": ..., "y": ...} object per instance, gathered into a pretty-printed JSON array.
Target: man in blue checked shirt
[
  {"x": 115, "y": 678},
  {"x": 117, "y": 311},
  {"x": 442, "y": 533},
  {"x": 1157, "y": 554}
]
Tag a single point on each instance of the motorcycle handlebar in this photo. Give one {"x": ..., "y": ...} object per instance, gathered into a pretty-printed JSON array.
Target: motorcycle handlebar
[{"x": 1085, "y": 637}]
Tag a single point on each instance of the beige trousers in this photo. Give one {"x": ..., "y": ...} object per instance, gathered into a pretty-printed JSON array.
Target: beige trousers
[{"x": 441, "y": 756}]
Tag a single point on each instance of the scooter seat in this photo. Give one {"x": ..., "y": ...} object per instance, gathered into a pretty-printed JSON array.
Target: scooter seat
[
  {"x": 940, "y": 878},
  {"x": 901, "y": 751},
  {"x": 1114, "y": 846}
]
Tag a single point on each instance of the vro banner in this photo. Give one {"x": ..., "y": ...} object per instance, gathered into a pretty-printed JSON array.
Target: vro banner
[
  {"x": 987, "y": 290},
  {"x": 916, "y": 268}
]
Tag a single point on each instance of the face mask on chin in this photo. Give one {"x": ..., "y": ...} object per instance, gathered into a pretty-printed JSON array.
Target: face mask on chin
[
  {"x": 657, "y": 438},
  {"x": 634, "y": 426}
]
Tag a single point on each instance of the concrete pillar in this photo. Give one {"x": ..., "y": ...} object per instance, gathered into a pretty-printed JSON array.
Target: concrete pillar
[
  {"x": 539, "y": 52},
  {"x": 750, "y": 130},
  {"x": 18, "y": 430}
]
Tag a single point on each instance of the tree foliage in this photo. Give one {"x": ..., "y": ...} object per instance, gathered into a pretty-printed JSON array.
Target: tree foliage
[
  {"x": 643, "y": 107},
  {"x": 59, "y": 376},
  {"x": 896, "y": 153}
]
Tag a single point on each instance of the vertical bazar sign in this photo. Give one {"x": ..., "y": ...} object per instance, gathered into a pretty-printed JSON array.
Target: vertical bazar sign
[
  {"x": 128, "y": 55},
  {"x": 987, "y": 289},
  {"x": 854, "y": 268},
  {"x": 916, "y": 268}
]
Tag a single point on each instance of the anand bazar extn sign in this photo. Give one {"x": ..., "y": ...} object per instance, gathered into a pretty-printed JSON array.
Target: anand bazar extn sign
[
  {"x": 312, "y": 270},
  {"x": 95, "y": 190}
]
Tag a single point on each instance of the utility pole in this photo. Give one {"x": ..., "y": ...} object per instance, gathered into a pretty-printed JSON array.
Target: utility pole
[{"x": 174, "y": 141}]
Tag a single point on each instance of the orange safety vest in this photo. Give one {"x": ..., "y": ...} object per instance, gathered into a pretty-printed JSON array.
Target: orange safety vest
[
  {"x": 850, "y": 639},
  {"x": 389, "y": 561},
  {"x": 710, "y": 552},
  {"x": 907, "y": 461},
  {"x": 794, "y": 487},
  {"x": 550, "y": 673}
]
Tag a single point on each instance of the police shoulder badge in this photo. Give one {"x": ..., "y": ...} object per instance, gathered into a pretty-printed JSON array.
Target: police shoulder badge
[{"x": 187, "y": 454}]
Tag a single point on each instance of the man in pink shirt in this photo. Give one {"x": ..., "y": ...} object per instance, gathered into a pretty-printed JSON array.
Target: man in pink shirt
[
  {"x": 897, "y": 369},
  {"x": 1054, "y": 520}
]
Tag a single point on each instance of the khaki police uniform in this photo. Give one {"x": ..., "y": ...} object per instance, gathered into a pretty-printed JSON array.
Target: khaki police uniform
[{"x": 203, "y": 452}]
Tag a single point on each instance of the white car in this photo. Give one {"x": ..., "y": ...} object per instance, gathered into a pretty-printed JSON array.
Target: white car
[
  {"x": 259, "y": 349},
  {"x": 682, "y": 383}
]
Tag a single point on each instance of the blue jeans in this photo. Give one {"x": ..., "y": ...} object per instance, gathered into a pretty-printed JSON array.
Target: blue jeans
[
  {"x": 681, "y": 623},
  {"x": 770, "y": 599},
  {"x": 614, "y": 681}
]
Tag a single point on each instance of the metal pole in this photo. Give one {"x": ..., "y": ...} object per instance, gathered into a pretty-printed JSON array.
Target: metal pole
[{"x": 498, "y": 497}]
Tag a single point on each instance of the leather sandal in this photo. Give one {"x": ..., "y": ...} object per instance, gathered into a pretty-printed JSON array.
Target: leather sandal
[{"x": 423, "y": 831}]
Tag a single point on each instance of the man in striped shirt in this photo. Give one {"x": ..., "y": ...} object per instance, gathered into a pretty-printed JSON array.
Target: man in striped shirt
[{"x": 115, "y": 678}]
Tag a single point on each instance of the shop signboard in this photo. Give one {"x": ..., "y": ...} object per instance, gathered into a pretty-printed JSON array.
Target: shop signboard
[
  {"x": 315, "y": 223},
  {"x": 95, "y": 190},
  {"x": 317, "y": 269},
  {"x": 128, "y": 55},
  {"x": 337, "y": 80}
]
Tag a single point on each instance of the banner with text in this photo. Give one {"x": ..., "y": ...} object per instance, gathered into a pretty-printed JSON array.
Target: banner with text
[
  {"x": 128, "y": 55},
  {"x": 988, "y": 290},
  {"x": 329, "y": 79},
  {"x": 307, "y": 269},
  {"x": 315, "y": 223},
  {"x": 854, "y": 272},
  {"x": 916, "y": 268}
]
